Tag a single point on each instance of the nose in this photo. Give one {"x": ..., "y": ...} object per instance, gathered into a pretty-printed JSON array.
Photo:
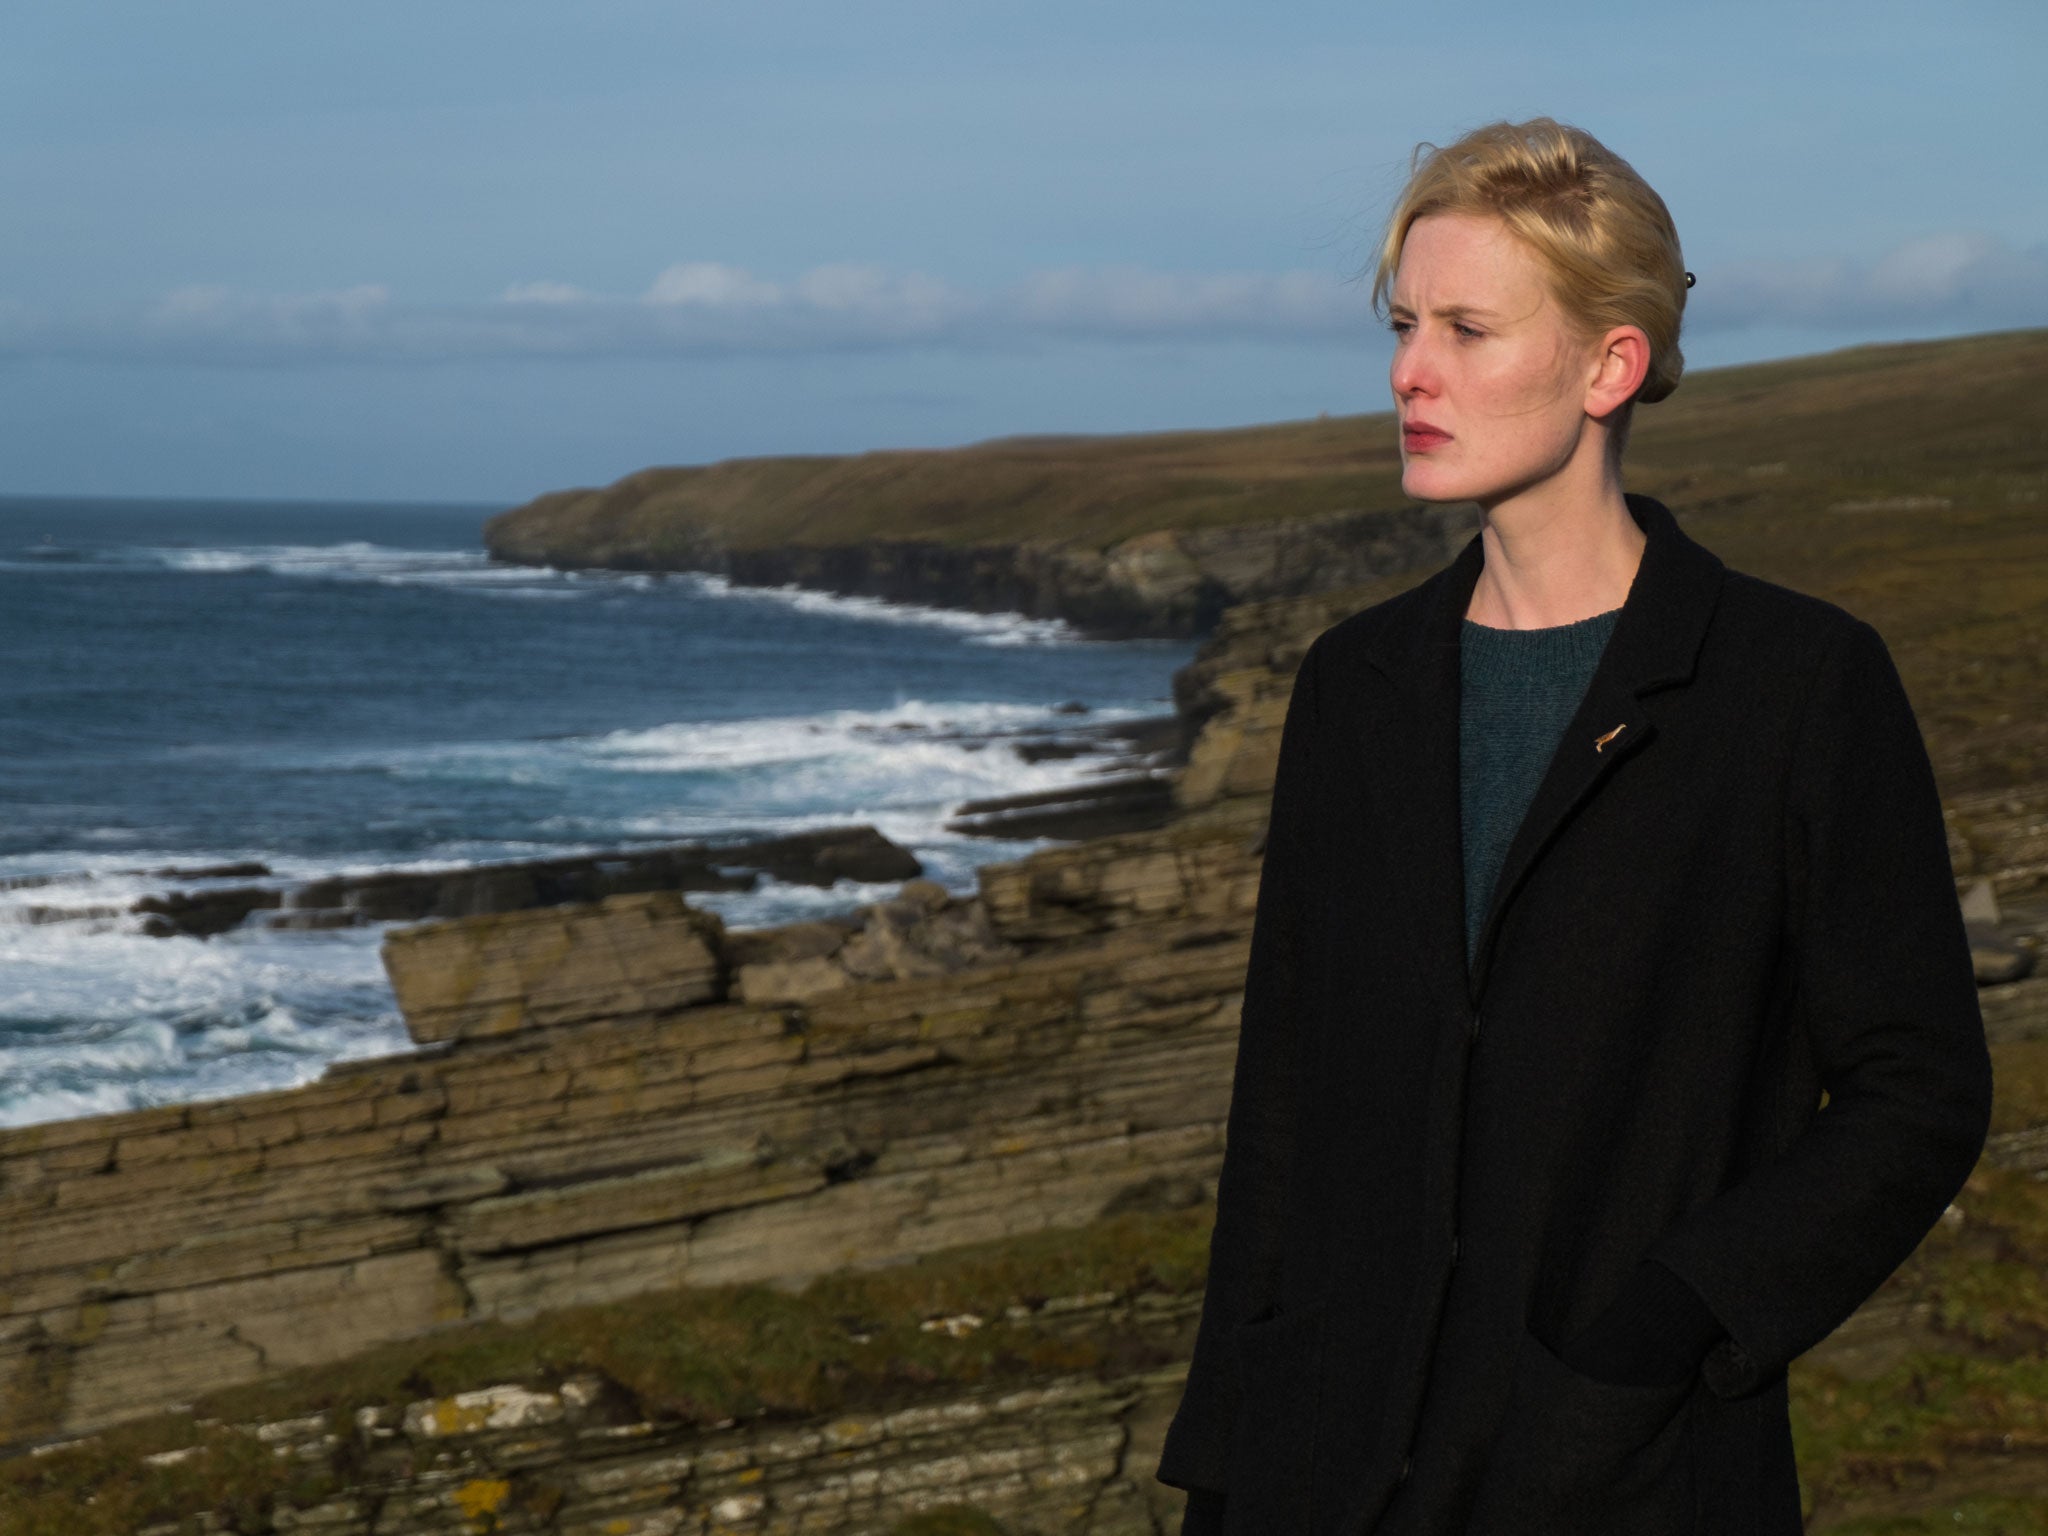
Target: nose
[{"x": 1413, "y": 371}]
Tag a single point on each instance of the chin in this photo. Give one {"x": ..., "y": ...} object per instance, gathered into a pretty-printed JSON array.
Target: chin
[{"x": 1428, "y": 482}]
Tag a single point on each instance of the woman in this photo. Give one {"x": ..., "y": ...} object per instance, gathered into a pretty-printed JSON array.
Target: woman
[{"x": 1593, "y": 867}]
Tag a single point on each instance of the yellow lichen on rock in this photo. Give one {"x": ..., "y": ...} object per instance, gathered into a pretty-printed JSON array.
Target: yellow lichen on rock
[{"x": 481, "y": 1498}]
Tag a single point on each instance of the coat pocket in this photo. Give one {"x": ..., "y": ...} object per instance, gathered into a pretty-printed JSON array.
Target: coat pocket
[
  {"x": 1272, "y": 1445},
  {"x": 1588, "y": 1457}
]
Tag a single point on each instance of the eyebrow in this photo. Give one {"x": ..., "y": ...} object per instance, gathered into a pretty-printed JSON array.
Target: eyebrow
[{"x": 1449, "y": 311}]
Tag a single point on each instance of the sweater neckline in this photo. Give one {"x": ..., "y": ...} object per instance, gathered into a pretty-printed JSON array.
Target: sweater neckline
[{"x": 1490, "y": 630}]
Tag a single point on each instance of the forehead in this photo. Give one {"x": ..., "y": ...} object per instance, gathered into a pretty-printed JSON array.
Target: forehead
[{"x": 1466, "y": 261}]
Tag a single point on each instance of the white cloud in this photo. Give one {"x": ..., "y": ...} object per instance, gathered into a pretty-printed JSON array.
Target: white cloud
[
  {"x": 1959, "y": 277},
  {"x": 713, "y": 285},
  {"x": 544, "y": 293},
  {"x": 708, "y": 308},
  {"x": 1139, "y": 302},
  {"x": 712, "y": 308}
]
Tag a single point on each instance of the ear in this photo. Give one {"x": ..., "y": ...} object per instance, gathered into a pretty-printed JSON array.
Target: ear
[{"x": 1621, "y": 361}]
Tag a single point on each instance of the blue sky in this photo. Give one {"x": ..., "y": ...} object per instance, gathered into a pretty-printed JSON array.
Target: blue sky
[{"x": 476, "y": 251}]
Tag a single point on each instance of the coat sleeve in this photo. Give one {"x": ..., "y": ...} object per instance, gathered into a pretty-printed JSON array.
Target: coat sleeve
[
  {"x": 1883, "y": 988},
  {"x": 1244, "y": 1247}
]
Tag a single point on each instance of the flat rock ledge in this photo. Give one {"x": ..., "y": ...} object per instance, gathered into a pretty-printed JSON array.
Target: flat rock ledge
[
  {"x": 213, "y": 905},
  {"x": 1069, "y": 1456},
  {"x": 620, "y": 1096}
]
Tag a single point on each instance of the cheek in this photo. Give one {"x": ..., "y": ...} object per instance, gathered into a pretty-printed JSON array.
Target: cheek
[{"x": 1518, "y": 385}]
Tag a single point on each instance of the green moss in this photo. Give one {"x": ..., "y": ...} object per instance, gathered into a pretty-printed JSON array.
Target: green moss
[
  {"x": 2019, "y": 1069},
  {"x": 1895, "y": 1449},
  {"x": 717, "y": 1352},
  {"x": 105, "y": 1488},
  {"x": 1912, "y": 1438},
  {"x": 1991, "y": 1516},
  {"x": 1947, "y": 1433},
  {"x": 692, "y": 1355}
]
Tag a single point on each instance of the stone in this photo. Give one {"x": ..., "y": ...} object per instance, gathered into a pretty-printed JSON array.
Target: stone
[
  {"x": 789, "y": 981},
  {"x": 1995, "y": 957},
  {"x": 625, "y": 956},
  {"x": 721, "y": 1179},
  {"x": 1980, "y": 903}
]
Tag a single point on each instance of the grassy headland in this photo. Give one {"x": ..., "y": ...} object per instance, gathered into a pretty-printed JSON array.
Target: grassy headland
[
  {"x": 1908, "y": 483},
  {"x": 1959, "y": 418}
]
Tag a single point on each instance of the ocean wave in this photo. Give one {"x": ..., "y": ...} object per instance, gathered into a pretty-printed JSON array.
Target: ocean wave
[
  {"x": 976, "y": 628},
  {"x": 473, "y": 570},
  {"x": 92, "y": 1022},
  {"x": 846, "y": 764},
  {"x": 357, "y": 560},
  {"x": 466, "y": 570}
]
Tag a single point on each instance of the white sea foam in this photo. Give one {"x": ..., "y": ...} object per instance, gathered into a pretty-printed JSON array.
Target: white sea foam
[
  {"x": 93, "y": 1020},
  {"x": 473, "y": 570},
  {"x": 94, "y": 1016},
  {"x": 978, "y": 628},
  {"x": 460, "y": 569},
  {"x": 836, "y": 765}
]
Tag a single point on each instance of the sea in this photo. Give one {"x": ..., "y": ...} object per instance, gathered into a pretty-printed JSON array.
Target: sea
[{"x": 344, "y": 688}]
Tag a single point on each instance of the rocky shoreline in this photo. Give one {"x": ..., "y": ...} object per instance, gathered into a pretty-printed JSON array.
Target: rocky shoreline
[
  {"x": 892, "y": 1224},
  {"x": 1128, "y": 788},
  {"x": 616, "y": 1098},
  {"x": 624, "y": 1098},
  {"x": 1163, "y": 584}
]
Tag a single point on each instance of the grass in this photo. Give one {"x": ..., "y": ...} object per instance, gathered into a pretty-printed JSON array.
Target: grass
[
  {"x": 1953, "y": 1436},
  {"x": 1963, "y": 1417},
  {"x": 1955, "y": 417},
  {"x": 1908, "y": 483},
  {"x": 701, "y": 1356}
]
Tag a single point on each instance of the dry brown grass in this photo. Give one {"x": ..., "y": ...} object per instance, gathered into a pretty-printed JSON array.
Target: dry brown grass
[{"x": 1947, "y": 417}]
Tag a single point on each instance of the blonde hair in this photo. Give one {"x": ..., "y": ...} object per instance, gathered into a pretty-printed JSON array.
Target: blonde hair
[{"x": 1604, "y": 237}]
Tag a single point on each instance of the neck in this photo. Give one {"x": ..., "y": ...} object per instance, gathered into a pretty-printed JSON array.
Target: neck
[{"x": 1557, "y": 553}]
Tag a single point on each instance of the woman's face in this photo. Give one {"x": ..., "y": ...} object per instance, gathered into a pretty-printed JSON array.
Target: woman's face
[{"x": 1490, "y": 384}]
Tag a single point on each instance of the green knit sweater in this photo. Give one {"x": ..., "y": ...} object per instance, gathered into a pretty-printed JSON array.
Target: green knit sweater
[{"x": 1520, "y": 688}]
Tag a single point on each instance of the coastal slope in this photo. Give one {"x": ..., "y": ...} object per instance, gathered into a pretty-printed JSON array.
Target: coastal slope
[
  {"x": 1158, "y": 533},
  {"x": 667, "y": 1227}
]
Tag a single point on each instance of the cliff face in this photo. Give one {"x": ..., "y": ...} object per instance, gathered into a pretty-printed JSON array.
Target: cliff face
[
  {"x": 772, "y": 1107},
  {"x": 1159, "y": 534},
  {"x": 622, "y": 1095},
  {"x": 1124, "y": 536},
  {"x": 625, "y": 1097},
  {"x": 1166, "y": 582}
]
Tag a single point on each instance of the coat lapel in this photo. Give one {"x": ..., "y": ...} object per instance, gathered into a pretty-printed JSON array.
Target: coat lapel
[{"x": 1655, "y": 642}]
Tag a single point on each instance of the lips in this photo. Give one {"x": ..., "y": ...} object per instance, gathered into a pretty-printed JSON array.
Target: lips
[{"x": 1418, "y": 436}]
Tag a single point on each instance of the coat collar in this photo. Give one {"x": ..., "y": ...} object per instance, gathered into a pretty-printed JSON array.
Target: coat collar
[
  {"x": 1655, "y": 640},
  {"x": 1654, "y": 645}
]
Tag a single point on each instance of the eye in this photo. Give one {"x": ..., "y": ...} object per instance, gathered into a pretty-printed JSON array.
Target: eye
[
  {"x": 1400, "y": 327},
  {"x": 1470, "y": 333}
]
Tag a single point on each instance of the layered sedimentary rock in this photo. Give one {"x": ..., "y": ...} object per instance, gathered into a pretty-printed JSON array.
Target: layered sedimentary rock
[
  {"x": 727, "y": 1119},
  {"x": 622, "y": 1096},
  {"x": 626, "y": 959},
  {"x": 1068, "y": 1456},
  {"x": 1165, "y": 582}
]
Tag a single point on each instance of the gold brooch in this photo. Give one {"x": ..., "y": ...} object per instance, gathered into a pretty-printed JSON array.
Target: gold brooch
[{"x": 1600, "y": 743}]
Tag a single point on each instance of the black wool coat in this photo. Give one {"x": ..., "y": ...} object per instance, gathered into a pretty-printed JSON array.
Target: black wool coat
[{"x": 1729, "y": 901}]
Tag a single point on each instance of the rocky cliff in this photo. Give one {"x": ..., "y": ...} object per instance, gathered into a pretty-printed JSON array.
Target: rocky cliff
[
  {"x": 1165, "y": 582},
  {"x": 1160, "y": 533},
  {"x": 895, "y": 1222},
  {"x": 616, "y": 1099}
]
